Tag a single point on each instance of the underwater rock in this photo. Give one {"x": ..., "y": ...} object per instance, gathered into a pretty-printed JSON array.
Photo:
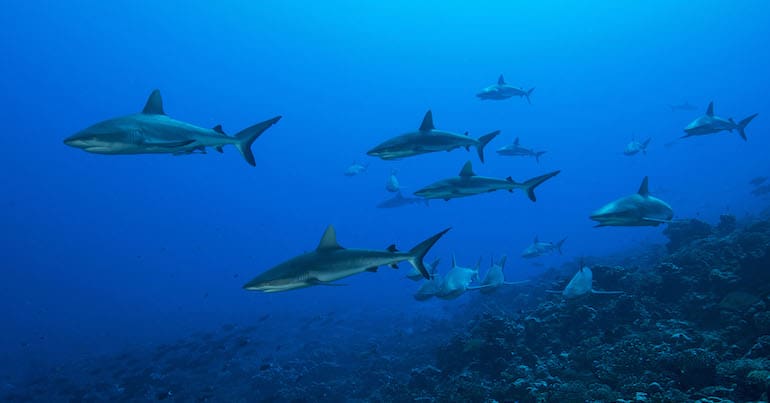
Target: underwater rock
[
  {"x": 727, "y": 224},
  {"x": 680, "y": 233}
]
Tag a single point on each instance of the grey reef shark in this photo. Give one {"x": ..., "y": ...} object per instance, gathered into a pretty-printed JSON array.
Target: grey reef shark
[
  {"x": 467, "y": 183},
  {"x": 427, "y": 139},
  {"x": 516, "y": 150},
  {"x": 710, "y": 124},
  {"x": 539, "y": 248},
  {"x": 153, "y": 132},
  {"x": 502, "y": 90},
  {"x": 581, "y": 285},
  {"x": 330, "y": 262},
  {"x": 637, "y": 210}
]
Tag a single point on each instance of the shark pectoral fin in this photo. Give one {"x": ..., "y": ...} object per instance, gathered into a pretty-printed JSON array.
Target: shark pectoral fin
[
  {"x": 169, "y": 144},
  {"x": 373, "y": 269},
  {"x": 219, "y": 149},
  {"x": 315, "y": 281}
]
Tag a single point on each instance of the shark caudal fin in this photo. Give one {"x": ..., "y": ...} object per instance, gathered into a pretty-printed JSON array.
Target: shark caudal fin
[
  {"x": 530, "y": 185},
  {"x": 559, "y": 245},
  {"x": 538, "y": 154},
  {"x": 483, "y": 141},
  {"x": 418, "y": 253},
  {"x": 741, "y": 126},
  {"x": 529, "y": 101},
  {"x": 245, "y": 138}
]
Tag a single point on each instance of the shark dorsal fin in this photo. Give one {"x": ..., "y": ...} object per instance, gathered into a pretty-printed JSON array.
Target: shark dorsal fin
[
  {"x": 454, "y": 260},
  {"x": 478, "y": 265},
  {"x": 502, "y": 260},
  {"x": 516, "y": 142},
  {"x": 427, "y": 122},
  {"x": 644, "y": 191},
  {"x": 710, "y": 109},
  {"x": 218, "y": 129},
  {"x": 500, "y": 80},
  {"x": 154, "y": 105},
  {"x": 467, "y": 170},
  {"x": 329, "y": 240},
  {"x": 535, "y": 240}
]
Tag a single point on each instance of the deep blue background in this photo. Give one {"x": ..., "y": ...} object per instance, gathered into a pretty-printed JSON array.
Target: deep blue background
[{"x": 100, "y": 252}]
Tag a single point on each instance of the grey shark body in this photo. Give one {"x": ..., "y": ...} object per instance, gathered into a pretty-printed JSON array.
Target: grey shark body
[
  {"x": 469, "y": 184},
  {"x": 428, "y": 140},
  {"x": 539, "y": 248},
  {"x": 457, "y": 280},
  {"x": 635, "y": 147},
  {"x": 494, "y": 278},
  {"x": 400, "y": 201},
  {"x": 710, "y": 124},
  {"x": 638, "y": 209},
  {"x": 429, "y": 288},
  {"x": 502, "y": 90},
  {"x": 392, "y": 185},
  {"x": 153, "y": 132},
  {"x": 355, "y": 169},
  {"x": 581, "y": 285},
  {"x": 516, "y": 150},
  {"x": 330, "y": 262}
]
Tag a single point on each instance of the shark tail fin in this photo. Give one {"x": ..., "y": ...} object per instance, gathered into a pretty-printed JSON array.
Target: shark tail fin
[
  {"x": 483, "y": 141},
  {"x": 502, "y": 260},
  {"x": 538, "y": 154},
  {"x": 530, "y": 185},
  {"x": 418, "y": 253},
  {"x": 560, "y": 244},
  {"x": 528, "y": 94},
  {"x": 246, "y": 137},
  {"x": 742, "y": 125}
]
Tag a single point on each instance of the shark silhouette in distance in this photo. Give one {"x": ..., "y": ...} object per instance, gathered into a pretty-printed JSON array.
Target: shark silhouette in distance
[
  {"x": 502, "y": 90},
  {"x": 635, "y": 147},
  {"x": 538, "y": 248},
  {"x": 330, "y": 262},
  {"x": 355, "y": 169},
  {"x": 153, "y": 132},
  {"x": 516, "y": 150},
  {"x": 581, "y": 285},
  {"x": 495, "y": 278},
  {"x": 710, "y": 124},
  {"x": 427, "y": 139},
  {"x": 636, "y": 210},
  {"x": 467, "y": 183}
]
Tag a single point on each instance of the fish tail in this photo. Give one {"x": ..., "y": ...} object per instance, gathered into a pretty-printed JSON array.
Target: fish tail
[
  {"x": 483, "y": 141},
  {"x": 246, "y": 137},
  {"x": 530, "y": 185},
  {"x": 538, "y": 154},
  {"x": 741, "y": 126},
  {"x": 417, "y": 254},
  {"x": 559, "y": 245},
  {"x": 528, "y": 94}
]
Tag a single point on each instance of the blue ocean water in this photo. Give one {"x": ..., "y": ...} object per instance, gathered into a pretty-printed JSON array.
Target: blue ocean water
[{"x": 103, "y": 252}]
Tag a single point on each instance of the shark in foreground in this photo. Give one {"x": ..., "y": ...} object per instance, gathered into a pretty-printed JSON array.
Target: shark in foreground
[
  {"x": 153, "y": 132},
  {"x": 710, "y": 124},
  {"x": 581, "y": 284},
  {"x": 469, "y": 184},
  {"x": 400, "y": 201},
  {"x": 457, "y": 280},
  {"x": 636, "y": 210},
  {"x": 542, "y": 248},
  {"x": 415, "y": 274},
  {"x": 428, "y": 140},
  {"x": 330, "y": 262},
  {"x": 634, "y": 147},
  {"x": 516, "y": 150},
  {"x": 495, "y": 278},
  {"x": 502, "y": 90}
]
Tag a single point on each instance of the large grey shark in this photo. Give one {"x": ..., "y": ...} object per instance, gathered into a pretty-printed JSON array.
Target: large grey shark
[
  {"x": 330, "y": 262},
  {"x": 516, "y": 150},
  {"x": 469, "y": 184},
  {"x": 581, "y": 285},
  {"x": 457, "y": 280},
  {"x": 495, "y": 278},
  {"x": 539, "y": 248},
  {"x": 634, "y": 147},
  {"x": 400, "y": 201},
  {"x": 638, "y": 209},
  {"x": 710, "y": 124},
  {"x": 502, "y": 90},
  {"x": 428, "y": 140},
  {"x": 429, "y": 288},
  {"x": 153, "y": 132}
]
